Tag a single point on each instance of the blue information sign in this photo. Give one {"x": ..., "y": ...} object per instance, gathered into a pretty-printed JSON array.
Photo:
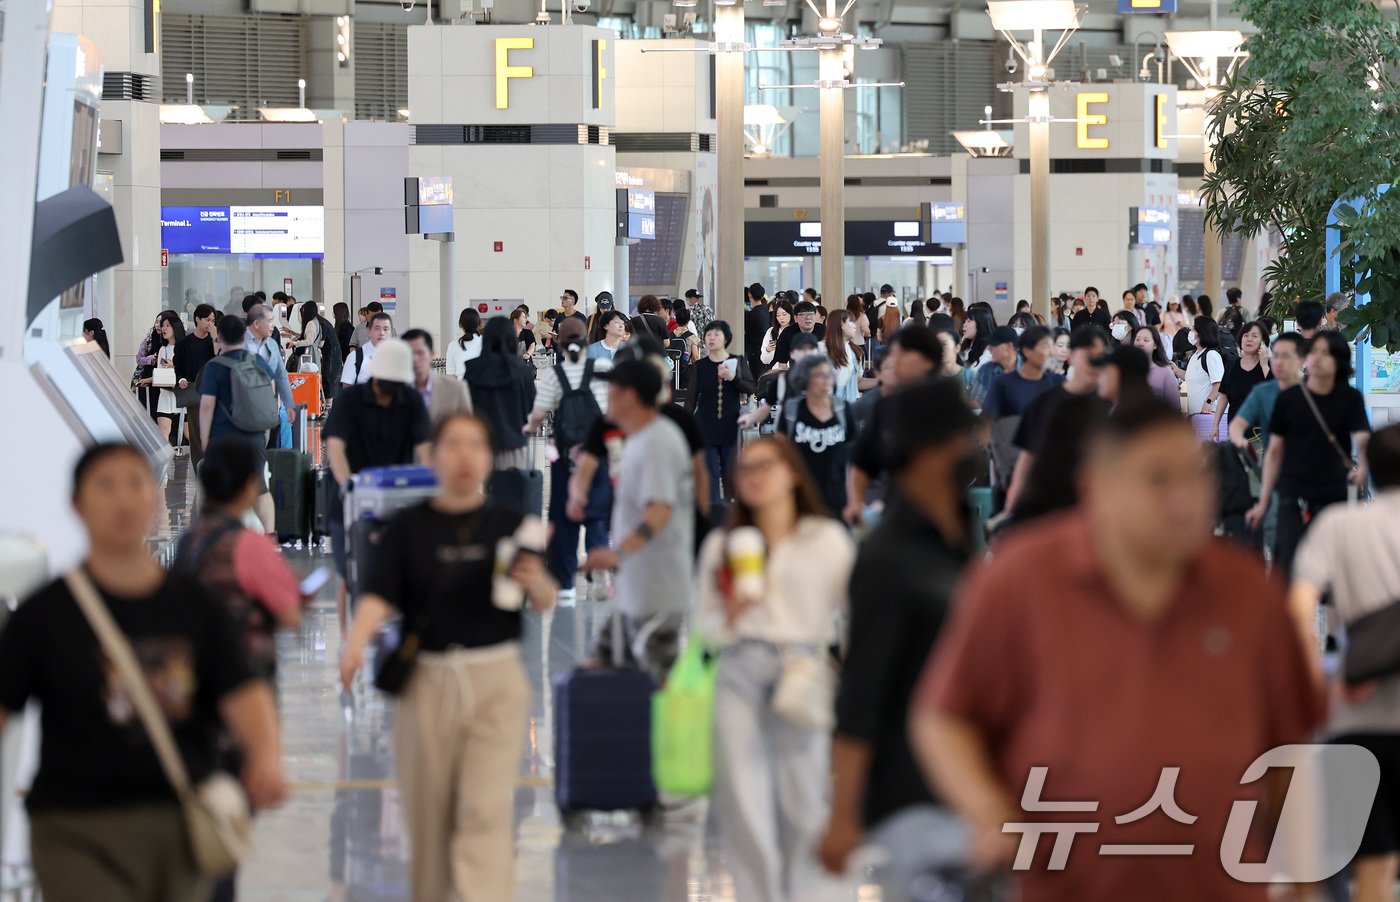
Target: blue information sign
[{"x": 1147, "y": 6}]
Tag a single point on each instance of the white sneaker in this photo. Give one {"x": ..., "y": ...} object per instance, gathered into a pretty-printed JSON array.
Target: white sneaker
[
  {"x": 566, "y": 598},
  {"x": 598, "y": 587}
]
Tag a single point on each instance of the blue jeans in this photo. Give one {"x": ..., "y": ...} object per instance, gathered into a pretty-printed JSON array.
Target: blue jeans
[
  {"x": 562, "y": 552},
  {"x": 719, "y": 460}
]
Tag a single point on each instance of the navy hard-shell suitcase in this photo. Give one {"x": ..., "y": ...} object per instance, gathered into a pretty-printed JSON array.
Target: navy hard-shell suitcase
[{"x": 602, "y": 742}]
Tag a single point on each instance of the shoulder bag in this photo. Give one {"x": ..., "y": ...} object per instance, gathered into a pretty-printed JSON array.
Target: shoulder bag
[{"x": 217, "y": 817}]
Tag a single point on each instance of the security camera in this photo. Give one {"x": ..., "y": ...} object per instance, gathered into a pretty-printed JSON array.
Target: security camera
[
  {"x": 407, "y": 5},
  {"x": 582, "y": 6},
  {"x": 1159, "y": 55},
  {"x": 1012, "y": 65}
]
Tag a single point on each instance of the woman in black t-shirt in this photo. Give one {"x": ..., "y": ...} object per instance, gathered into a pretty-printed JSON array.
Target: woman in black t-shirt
[
  {"x": 100, "y": 795},
  {"x": 1242, "y": 374},
  {"x": 817, "y": 424},
  {"x": 460, "y": 724}
]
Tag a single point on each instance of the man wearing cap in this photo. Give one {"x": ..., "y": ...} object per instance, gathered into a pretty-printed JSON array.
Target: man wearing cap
[
  {"x": 653, "y": 524},
  {"x": 804, "y": 322},
  {"x": 1001, "y": 344},
  {"x": 379, "y": 423},
  {"x": 900, "y": 592},
  {"x": 700, "y": 315}
]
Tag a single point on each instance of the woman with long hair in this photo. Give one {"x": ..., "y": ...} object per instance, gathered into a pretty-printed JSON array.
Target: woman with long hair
[
  {"x": 466, "y": 346},
  {"x": 306, "y": 347},
  {"x": 1058, "y": 361},
  {"x": 319, "y": 335},
  {"x": 1206, "y": 367},
  {"x": 1188, "y": 306},
  {"x": 94, "y": 331},
  {"x": 769, "y": 796},
  {"x": 976, "y": 332},
  {"x": 958, "y": 312},
  {"x": 778, "y": 321},
  {"x": 502, "y": 387},
  {"x": 524, "y": 331},
  {"x": 1243, "y": 373},
  {"x": 1100, "y": 315},
  {"x": 145, "y": 364},
  {"x": 344, "y": 328},
  {"x": 855, "y": 311},
  {"x": 1161, "y": 378},
  {"x": 171, "y": 330},
  {"x": 460, "y": 719},
  {"x": 842, "y": 355}
]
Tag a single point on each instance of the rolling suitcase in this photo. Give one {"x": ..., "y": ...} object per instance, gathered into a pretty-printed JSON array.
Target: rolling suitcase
[
  {"x": 602, "y": 739},
  {"x": 372, "y": 497},
  {"x": 289, "y": 474},
  {"x": 325, "y": 495}
]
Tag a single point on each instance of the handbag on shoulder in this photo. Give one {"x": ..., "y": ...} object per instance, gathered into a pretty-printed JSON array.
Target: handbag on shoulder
[{"x": 216, "y": 811}]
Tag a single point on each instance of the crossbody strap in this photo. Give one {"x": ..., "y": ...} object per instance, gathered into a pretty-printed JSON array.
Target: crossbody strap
[
  {"x": 119, "y": 651},
  {"x": 1347, "y": 463}
]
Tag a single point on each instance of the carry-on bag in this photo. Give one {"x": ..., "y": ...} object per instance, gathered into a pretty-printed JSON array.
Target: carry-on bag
[
  {"x": 290, "y": 471},
  {"x": 602, "y": 738},
  {"x": 682, "y": 725}
]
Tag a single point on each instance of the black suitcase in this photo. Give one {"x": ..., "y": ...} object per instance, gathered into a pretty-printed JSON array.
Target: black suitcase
[
  {"x": 325, "y": 501},
  {"x": 602, "y": 742},
  {"x": 288, "y": 485},
  {"x": 520, "y": 490}
]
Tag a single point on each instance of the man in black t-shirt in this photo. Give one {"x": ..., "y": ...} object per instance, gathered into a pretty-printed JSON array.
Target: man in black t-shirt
[
  {"x": 1317, "y": 446},
  {"x": 380, "y": 423},
  {"x": 804, "y": 322},
  {"x": 568, "y": 302},
  {"x": 757, "y": 319},
  {"x": 191, "y": 354}
]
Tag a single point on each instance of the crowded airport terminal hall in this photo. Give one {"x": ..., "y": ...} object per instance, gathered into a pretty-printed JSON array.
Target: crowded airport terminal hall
[{"x": 700, "y": 451}]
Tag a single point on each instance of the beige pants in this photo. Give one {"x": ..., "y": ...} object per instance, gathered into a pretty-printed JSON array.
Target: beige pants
[
  {"x": 459, "y": 737},
  {"x": 134, "y": 854}
]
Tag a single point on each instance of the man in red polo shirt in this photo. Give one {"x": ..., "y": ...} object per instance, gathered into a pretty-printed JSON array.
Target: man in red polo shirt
[{"x": 1145, "y": 671}]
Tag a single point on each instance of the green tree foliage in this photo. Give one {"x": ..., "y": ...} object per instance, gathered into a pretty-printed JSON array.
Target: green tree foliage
[{"x": 1313, "y": 115}]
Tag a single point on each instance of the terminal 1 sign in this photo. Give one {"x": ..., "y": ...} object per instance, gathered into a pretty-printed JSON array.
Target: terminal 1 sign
[{"x": 258, "y": 231}]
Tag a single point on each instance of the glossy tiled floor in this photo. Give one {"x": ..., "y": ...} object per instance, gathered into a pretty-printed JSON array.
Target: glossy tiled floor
[{"x": 340, "y": 836}]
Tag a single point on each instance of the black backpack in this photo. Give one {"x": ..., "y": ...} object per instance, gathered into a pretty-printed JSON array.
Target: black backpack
[{"x": 577, "y": 410}]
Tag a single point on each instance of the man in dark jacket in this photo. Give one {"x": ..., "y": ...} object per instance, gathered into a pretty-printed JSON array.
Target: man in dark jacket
[{"x": 756, "y": 322}]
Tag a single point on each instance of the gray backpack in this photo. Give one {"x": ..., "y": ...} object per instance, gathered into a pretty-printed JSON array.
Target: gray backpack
[{"x": 253, "y": 404}]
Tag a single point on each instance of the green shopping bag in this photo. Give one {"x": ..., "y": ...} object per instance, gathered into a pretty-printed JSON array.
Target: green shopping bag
[{"x": 682, "y": 726}]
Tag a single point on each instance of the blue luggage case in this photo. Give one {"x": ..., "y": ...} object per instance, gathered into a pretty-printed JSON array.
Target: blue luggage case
[
  {"x": 602, "y": 742},
  {"x": 377, "y": 492}
]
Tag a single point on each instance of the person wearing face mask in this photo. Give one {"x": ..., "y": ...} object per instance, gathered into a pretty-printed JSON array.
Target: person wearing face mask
[
  {"x": 1205, "y": 369},
  {"x": 1122, "y": 326},
  {"x": 380, "y": 423},
  {"x": 901, "y": 590}
]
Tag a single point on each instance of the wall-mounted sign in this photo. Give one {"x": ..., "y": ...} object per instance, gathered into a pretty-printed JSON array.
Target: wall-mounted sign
[
  {"x": 863, "y": 239},
  {"x": 1161, "y": 120},
  {"x": 599, "y": 72},
  {"x": 1149, "y": 226},
  {"x": 944, "y": 223},
  {"x": 427, "y": 204},
  {"x": 1085, "y": 120},
  {"x": 1147, "y": 6},
  {"x": 636, "y": 213},
  {"x": 259, "y": 231}
]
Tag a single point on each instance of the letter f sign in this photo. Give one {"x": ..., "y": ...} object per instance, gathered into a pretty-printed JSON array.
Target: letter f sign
[{"x": 505, "y": 71}]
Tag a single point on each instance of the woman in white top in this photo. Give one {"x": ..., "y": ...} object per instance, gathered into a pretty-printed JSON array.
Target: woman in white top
[
  {"x": 842, "y": 353},
  {"x": 310, "y": 338},
  {"x": 781, "y": 318},
  {"x": 466, "y": 346},
  {"x": 1205, "y": 369},
  {"x": 171, "y": 330},
  {"x": 769, "y": 797}
]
